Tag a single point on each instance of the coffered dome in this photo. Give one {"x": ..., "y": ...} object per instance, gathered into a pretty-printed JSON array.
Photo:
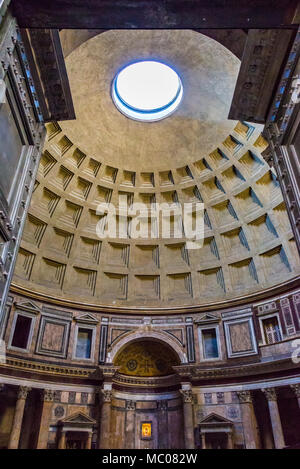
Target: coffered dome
[{"x": 194, "y": 155}]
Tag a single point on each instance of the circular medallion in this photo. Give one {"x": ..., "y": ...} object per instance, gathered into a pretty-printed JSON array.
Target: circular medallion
[{"x": 132, "y": 365}]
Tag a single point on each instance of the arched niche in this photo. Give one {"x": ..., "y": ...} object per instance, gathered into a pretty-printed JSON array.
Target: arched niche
[{"x": 146, "y": 356}]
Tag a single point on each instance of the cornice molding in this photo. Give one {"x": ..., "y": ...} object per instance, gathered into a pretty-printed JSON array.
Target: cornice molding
[
  {"x": 45, "y": 57},
  {"x": 163, "y": 381},
  {"x": 218, "y": 305},
  {"x": 13, "y": 363},
  {"x": 191, "y": 372},
  {"x": 195, "y": 372},
  {"x": 264, "y": 53}
]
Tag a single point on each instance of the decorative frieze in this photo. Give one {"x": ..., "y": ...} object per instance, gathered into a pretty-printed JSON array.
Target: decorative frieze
[{"x": 208, "y": 398}]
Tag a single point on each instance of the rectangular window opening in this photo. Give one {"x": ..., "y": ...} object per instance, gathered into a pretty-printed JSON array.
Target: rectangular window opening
[
  {"x": 21, "y": 332},
  {"x": 210, "y": 343},
  {"x": 84, "y": 343},
  {"x": 272, "y": 330}
]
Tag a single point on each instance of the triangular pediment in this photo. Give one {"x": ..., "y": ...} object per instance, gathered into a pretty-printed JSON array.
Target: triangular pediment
[
  {"x": 87, "y": 318},
  {"x": 215, "y": 419},
  {"x": 27, "y": 306},
  {"x": 206, "y": 318},
  {"x": 78, "y": 418}
]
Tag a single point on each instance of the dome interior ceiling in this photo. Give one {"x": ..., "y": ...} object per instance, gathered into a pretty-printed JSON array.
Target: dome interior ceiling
[
  {"x": 195, "y": 155},
  {"x": 208, "y": 72}
]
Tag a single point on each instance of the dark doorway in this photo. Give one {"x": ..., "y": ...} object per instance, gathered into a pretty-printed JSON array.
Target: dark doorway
[{"x": 217, "y": 440}]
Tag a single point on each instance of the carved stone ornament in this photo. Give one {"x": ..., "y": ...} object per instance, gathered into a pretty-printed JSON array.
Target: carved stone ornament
[
  {"x": 130, "y": 405},
  {"x": 59, "y": 411},
  {"x": 106, "y": 395},
  {"x": 23, "y": 392},
  {"x": 187, "y": 396},
  {"x": 270, "y": 394},
  {"x": 162, "y": 405},
  {"x": 48, "y": 395},
  {"x": 244, "y": 397},
  {"x": 296, "y": 389}
]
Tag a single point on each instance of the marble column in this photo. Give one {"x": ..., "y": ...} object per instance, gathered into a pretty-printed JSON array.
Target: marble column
[
  {"x": 88, "y": 443},
  {"x": 47, "y": 399},
  {"x": 62, "y": 441},
  {"x": 267, "y": 436},
  {"x": 249, "y": 420},
  {"x": 162, "y": 417},
  {"x": 188, "y": 419},
  {"x": 129, "y": 424},
  {"x": 105, "y": 419},
  {"x": 230, "y": 441},
  {"x": 108, "y": 372},
  {"x": 271, "y": 396},
  {"x": 203, "y": 440},
  {"x": 296, "y": 389},
  {"x": 18, "y": 417}
]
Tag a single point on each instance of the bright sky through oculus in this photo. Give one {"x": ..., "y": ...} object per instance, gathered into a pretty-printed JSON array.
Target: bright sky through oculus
[{"x": 147, "y": 90}]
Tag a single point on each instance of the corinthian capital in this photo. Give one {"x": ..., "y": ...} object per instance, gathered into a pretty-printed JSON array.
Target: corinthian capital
[
  {"x": 48, "y": 395},
  {"x": 130, "y": 405},
  {"x": 270, "y": 394},
  {"x": 187, "y": 395},
  {"x": 23, "y": 392},
  {"x": 106, "y": 395},
  {"x": 244, "y": 397},
  {"x": 296, "y": 389}
]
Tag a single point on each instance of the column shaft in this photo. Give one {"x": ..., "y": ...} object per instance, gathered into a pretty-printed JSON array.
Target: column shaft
[
  {"x": 230, "y": 441},
  {"x": 276, "y": 425},
  {"x": 62, "y": 441},
  {"x": 47, "y": 398},
  {"x": 18, "y": 418},
  {"x": 105, "y": 420},
  {"x": 104, "y": 439},
  {"x": 188, "y": 419},
  {"x": 88, "y": 444},
  {"x": 129, "y": 427},
  {"x": 271, "y": 396},
  {"x": 203, "y": 441},
  {"x": 249, "y": 420}
]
